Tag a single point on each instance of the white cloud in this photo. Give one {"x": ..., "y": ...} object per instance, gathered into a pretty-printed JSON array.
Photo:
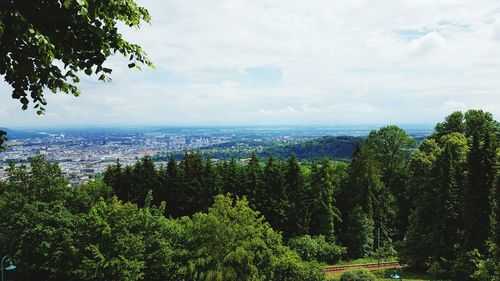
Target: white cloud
[
  {"x": 430, "y": 42},
  {"x": 495, "y": 31},
  {"x": 339, "y": 61},
  {"x": 451, "y": 106}
]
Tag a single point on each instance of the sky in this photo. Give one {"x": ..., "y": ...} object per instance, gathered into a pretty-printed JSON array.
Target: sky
[{"x": 285, "y": 62}]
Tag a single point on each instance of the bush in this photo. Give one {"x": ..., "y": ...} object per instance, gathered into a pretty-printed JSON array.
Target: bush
[
  {"x": 439, "y": 268},
  {"x": 466, "y": 265},
  {"x": 233, "y": 242},
  {"x": 488, "y": 270},
  {"x": 357, "y": 275},
  {"x": 316, "y": 249}
]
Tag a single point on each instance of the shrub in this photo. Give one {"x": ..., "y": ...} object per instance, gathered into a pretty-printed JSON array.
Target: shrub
[
  {"x": 316, "y": 249},
  {"x": 466, "y": 265},
  {"x": 357, "y": 275},
  {"x": 233, "y": 242}
]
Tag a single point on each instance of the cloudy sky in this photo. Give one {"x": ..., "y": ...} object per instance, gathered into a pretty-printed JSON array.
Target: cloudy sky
[{"x": 264, "y": 62}]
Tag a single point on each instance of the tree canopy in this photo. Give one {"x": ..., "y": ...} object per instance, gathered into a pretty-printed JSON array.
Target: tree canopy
[{"x": 49, "y": 43}]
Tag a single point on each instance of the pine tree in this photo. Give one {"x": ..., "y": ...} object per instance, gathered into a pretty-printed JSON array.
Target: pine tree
[
  {"x": 114, "y": 178},
  {"x": 370, "y": 194},
  {"x": 495, "y": 223},
  {"x": 298, "y": 212},
  {"x": 145, "y": 178},
  {"x": 324, "y": 214},
  {"x": 364, "y": 180},
  {"x": 210, "y": 182},
  {"x": 436, "y": 222},
  {"x": 128, "y": 184},
  {"x": 450, "y": 182},
  {"x": 252, "y": 180},
  {"x": 272, "y": 198},
  {"x": 173, "y": 191},
  {"x": 418, "y": 243},
  {"x": 191, "y": 171},
  {"x": 361, "y": 234},
  {"x": 230, "y": 177},
  {"x": 478, "y": 192}
]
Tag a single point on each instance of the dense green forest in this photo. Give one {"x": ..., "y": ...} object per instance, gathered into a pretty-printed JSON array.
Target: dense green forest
[
  {"x": 434, "y": 206},
  {"x": 335, "y": 148}
]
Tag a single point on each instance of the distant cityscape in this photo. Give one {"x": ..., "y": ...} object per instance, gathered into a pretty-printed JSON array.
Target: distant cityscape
[{"x": 86, "y": 152}]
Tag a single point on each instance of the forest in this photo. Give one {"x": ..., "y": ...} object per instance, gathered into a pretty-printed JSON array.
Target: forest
[
  {"x": 434, "y": 207},
  {"x": 334, "y": 147}
]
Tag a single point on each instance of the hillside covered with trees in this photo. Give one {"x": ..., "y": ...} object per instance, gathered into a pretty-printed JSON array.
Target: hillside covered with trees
[
  {"x": 435, "y": 206},
  {"x": 333, "y": 147}
]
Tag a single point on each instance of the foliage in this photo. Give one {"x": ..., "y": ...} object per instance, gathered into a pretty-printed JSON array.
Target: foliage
[
  {"x": 452, "y": 177},
  {"x": 324, "y": 213},
  {"x": 3, "y": 139},
  {"x": 466, "y": 265},
  {"x": 119, "y": 231},
  {"x": 316, "y": 248},
  {"x": 85, "y": 233},
  {"x": 338, "y": 148},
  {"x": 480, "y": 181},
  {"x": 392, "y": 148},
  {"x": 291, "y": 199},
  {"x": 488, "y": 270},
  {"x": 357, "y": 275},
  {"x": 39, "y": 50},
  {"x": 251, "y": 251},
  {"x": 359, "y": 234}
]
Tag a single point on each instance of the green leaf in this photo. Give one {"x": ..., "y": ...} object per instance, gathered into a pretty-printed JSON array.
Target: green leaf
[
  {"x": 1, "y": 28},
  {"x": 67, "y": 3}
]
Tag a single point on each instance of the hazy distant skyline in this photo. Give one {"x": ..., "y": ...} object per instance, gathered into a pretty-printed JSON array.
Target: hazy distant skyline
[{"x": 292, "y": 63}]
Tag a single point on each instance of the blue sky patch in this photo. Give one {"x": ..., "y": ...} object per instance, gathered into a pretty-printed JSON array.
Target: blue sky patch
[{"x": 264, "y": 76}]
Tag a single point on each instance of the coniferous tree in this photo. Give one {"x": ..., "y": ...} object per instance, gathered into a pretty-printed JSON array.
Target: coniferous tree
[
  {"x": 480, "y": 128},
  {"x": 298, "y": 212},
  {"x": 210, "y": 184},
  {"x": 252, "y": 180},
  {"x": 173, "y": 191},
  {"x": 436, "y": 222},
  {"x": 114, "y": 178},
  {"x": 418, "y": 243},
  {"x": 495, "y": 223},
  {"x": 364, "y": 179},
  {"x": 323, "y": 214},
  {"x": 145, "y": 178},
  {"x": 370, "y": 194},
  {"x": 191, "y": 171},
  {"x": 128, "y": 184},
  {"x": 160, "y": 190},
  {"x": 360, "y": 232},
  {"x": 450, "y": 181},
  {"x": 273, "y": 199},
  {"x": 230, "y": 177}
]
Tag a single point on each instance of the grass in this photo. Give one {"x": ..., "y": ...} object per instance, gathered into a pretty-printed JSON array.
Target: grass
[
  {"x": 385, "y": 275},
  {"x": 366, "y": 260}
]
